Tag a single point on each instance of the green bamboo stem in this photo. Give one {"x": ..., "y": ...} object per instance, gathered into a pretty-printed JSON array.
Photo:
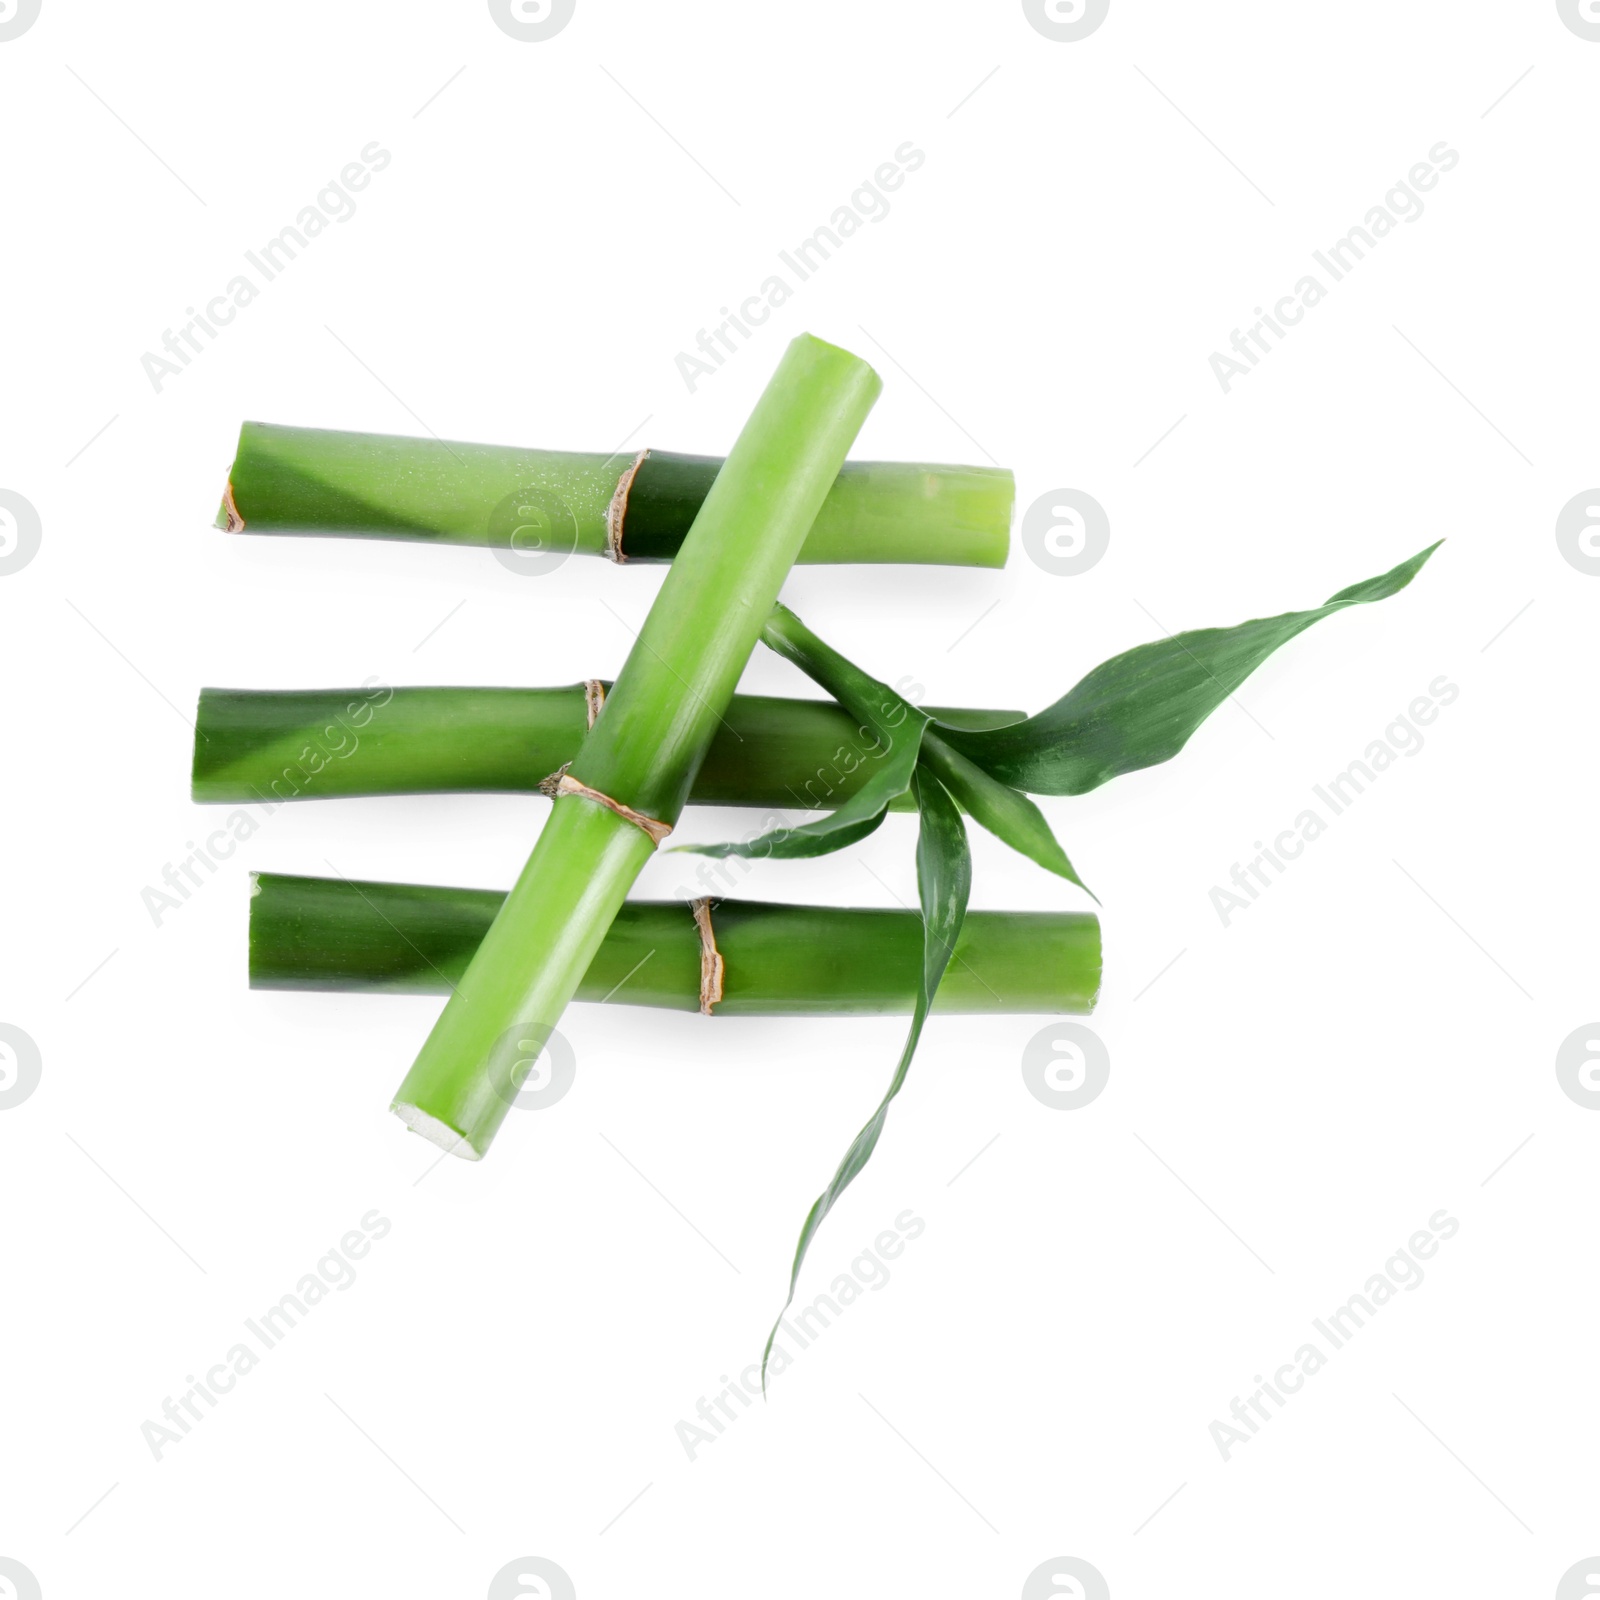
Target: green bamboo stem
[
  {"x": 321, "y": 744},
  {"x": 384, "y": 486},
  {"x": 644, "y": 750},
  {"x": 779, "y": 960}
]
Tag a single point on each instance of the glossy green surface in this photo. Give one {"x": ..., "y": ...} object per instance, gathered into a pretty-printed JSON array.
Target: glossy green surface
[
  {"x": 383, "y": 486},
  {"x": 386, "y": 486},
  {"x": 673, "y": 691},
  {"x": 322, "y": 744},
  {"x": 525, "y": 970},
  {"x": 944, "y": 881},
  {"x": 781, "y": 960},
  {"x": 1140, "y": 708},
  {"x": 888, "y": 511},
  {"x": 646, "y": 745}
]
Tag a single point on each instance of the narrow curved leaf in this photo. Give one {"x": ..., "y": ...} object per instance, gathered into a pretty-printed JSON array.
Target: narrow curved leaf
[
  {"x": 853, "y": 821},
  {"x": 867, "y": 698},
  {"x": 896, "y": 749},
  {"x": 891, "y": 732},
  {"x": 944, "y": 880},
  {"x": 1008, "y": 815},
  {"x": 1139, "y": 708}
]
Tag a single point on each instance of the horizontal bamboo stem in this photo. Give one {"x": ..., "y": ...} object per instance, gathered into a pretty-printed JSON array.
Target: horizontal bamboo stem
[
  {"x": 779, "y": 960},
  {"x": 551, "y": 503},
  {"x": 268, "y": 746}
]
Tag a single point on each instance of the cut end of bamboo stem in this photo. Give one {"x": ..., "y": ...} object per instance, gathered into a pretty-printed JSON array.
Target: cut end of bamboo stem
[
  {"x": 228, "y": 518},
  {"x": 435, "y": 1131}
]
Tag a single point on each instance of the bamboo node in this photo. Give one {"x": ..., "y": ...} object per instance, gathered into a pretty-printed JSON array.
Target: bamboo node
[
  {"x": 594, "y": 696},
  {"x": 711, "y": 963},
  {"x": 562, "y": 782},
  {"x": 617, "y": 511}
]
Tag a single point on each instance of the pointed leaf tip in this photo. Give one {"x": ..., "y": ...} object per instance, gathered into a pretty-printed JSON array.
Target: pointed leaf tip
[
  {"x": 1140, "y": 708},
  {"x": 944, "y": 882}
]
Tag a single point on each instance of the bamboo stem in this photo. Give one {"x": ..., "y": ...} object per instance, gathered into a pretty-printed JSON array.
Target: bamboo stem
[
  {"x": 321, "y": 744},
  {"x": 374, "y": 485},
  {"x": 779, "y": 960},
  {"x": 645, "y": 748}
]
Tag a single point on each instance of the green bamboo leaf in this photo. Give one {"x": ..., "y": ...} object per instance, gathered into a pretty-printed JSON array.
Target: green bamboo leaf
[
  {"x": 999, "y": 808},
  {"x": 855, "y": 819},
  {"x": 891, "y": 731},
  {"x": 867, "y": 698},
  {"x": 1140, "y": 708},
  {"x": 820, "y": 838},
  {"x": 1010, "y": 816},
  {"x": 944, "y": 880}
]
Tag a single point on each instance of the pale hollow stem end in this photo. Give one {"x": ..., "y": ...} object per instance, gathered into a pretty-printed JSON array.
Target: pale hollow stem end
[{"x": 448, "y": 1139}]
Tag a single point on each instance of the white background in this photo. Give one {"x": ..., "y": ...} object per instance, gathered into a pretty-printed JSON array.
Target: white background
[{"x": 1291, "y": 1097}]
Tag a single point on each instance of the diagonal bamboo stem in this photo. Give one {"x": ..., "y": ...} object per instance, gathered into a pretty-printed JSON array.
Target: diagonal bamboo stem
[{"x": 645, "y": 748}]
